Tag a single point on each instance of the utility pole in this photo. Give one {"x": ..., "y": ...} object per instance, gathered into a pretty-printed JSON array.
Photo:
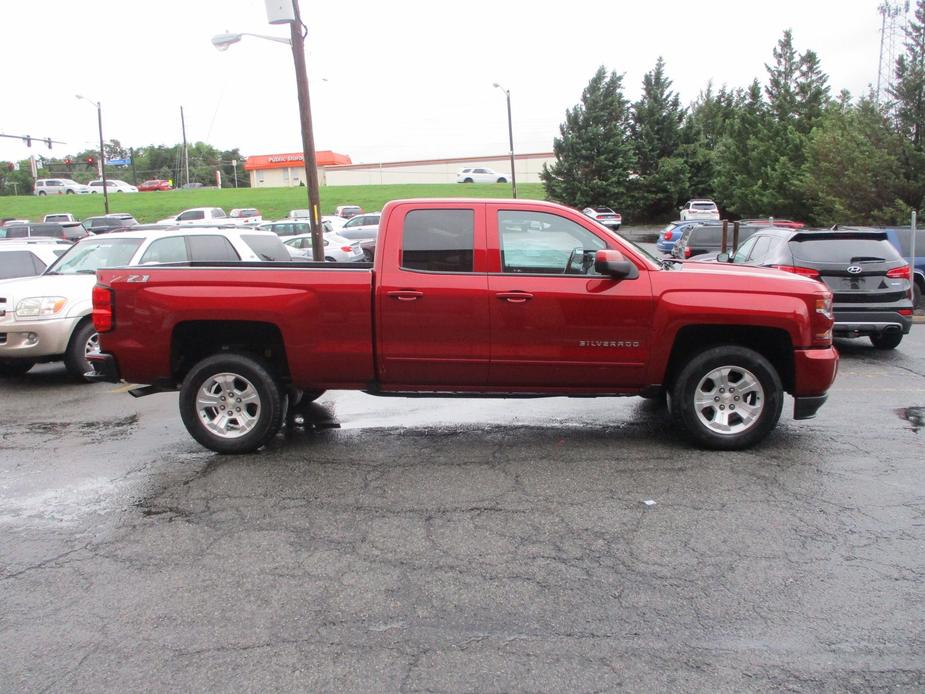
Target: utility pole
[
  {"x": 185, "y": 149},
  {"x": 308, "y": 136}
]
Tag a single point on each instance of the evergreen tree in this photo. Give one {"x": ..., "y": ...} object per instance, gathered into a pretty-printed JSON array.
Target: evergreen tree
[
  {"x": 812, "y": 92},
  {"x": 704, "y": 127},
  {"x": 909, "y": 86},
  {"x": 593, "y": 154},
  {"x": 782, "y": 79},
  {"x": 655, "y": 127}
]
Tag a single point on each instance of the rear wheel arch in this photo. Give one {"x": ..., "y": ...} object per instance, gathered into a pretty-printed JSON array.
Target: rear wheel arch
[{"x": 193, "y": 341}]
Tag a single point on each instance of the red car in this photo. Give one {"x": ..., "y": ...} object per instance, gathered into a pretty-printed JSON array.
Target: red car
[
  {"x": 154, "y": 184},
  {"x": 479, "y": 297}
]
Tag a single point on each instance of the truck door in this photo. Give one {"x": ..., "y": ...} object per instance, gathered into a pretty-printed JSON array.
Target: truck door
[
  {"x": 432, "y": 297},
  {"x": 555, "y": 322}
]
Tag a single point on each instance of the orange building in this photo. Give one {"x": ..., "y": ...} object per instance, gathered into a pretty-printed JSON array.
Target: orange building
[{"x": 283, "y": 170}]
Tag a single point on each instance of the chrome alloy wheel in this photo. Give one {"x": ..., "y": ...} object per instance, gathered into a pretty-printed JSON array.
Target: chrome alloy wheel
[
  {"x": 228, "y": 405},
  {"x": 93, "y": 345},
  {"x": 729, "y": 400}
]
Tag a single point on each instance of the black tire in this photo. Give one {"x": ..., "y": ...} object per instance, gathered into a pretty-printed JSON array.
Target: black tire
[
  {"x": 502, "y": 180},
  {"x": 42, "y": 192},
  {"x": 15, "y": 367},
  {"x": 468, "y": 180},
  {"x": 243, "y": 374},
  {"x": 83, "y": 341},
  {"x": 69, "y": 192},
  {"x": 705, "y": 425},
  {"x": 888, "y": 340},
  {"x": 916, "y": 295}
]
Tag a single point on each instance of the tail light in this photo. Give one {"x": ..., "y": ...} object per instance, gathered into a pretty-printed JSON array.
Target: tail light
[
  {"x": 796, "y": 270},
  {"x": 102, "y": 309},
  {"x": 347, "y": 249},
  {"x": 668, "y": 236},
  {"x": 688, "y": 252},
  {"x": 823, "y": 319},
  {"x": 900, "y": 273}
]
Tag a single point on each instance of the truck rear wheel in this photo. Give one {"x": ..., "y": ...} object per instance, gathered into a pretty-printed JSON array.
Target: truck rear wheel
[
  {"x": 230, "y": 403},
  {"x": 727, "y": 397}
]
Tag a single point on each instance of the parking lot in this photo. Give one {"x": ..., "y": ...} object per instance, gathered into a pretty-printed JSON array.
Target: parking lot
[{"x": 433, "y": 545}]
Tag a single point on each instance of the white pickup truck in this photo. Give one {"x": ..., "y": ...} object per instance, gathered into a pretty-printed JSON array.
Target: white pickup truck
[{"x": 199, "y": 215}]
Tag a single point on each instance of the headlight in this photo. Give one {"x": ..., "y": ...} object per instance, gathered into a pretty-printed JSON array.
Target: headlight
[{"x": 41, "y": 307}]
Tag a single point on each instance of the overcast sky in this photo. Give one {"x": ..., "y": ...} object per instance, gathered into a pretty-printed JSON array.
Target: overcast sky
[{"x": 389, "y": 80}]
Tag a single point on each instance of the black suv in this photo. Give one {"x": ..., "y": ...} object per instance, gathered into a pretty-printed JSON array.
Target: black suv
[
  {"x": 868, "y": 278},
  {"x": 708, "y": 238}
]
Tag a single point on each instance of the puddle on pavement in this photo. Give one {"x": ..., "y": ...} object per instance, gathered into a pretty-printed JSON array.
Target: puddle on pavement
[{"x": 914, "y": 415}]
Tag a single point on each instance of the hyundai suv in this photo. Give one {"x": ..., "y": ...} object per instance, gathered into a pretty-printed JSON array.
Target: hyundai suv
[{"x": 870, "y": 281}]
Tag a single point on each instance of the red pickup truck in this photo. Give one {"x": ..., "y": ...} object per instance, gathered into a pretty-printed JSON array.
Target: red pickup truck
[{"x": 496, "y": 297}]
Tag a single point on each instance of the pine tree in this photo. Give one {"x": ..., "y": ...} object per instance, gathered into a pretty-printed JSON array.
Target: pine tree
[
  {"x": 782, "y": 79},
  {"x": 812, "y": 92},
  {"x": 655, "y": 127},
  {"x": 706, "y": 123},
  {"x": 594, "y": 156},
  {"x": 908, "y": 92}
]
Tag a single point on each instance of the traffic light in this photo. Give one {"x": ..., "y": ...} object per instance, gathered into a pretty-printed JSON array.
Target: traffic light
[
  {"x": 28, "y": 140},
  {"x": 48, "y": 142},
  {"x": 68, "y": 162},
  {"x": 90, "y": 161}
]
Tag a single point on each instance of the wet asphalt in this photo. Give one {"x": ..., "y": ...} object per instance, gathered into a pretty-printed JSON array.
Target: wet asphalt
[{"x": 464, "y": 545}]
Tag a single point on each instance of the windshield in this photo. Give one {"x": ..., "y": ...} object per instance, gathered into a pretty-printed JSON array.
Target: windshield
[{"x": 87, "y": 257}]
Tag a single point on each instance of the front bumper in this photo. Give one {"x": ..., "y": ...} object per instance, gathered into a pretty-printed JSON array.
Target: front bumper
[
  {"x": 857, "y": 323},
  {"x": 36, "y": 339}
]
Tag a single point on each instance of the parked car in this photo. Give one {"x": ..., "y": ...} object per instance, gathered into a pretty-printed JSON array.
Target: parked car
[
  {"x": 773, "y": 222},
  {"x": 154, "y": 184},
  {"x": 337, "y": 249},
  {"x": 331, "y": 222},
  {"x": 481, "y": 175},
  {"x": 47, "y": 318},
  {"x": 699, "y": 239},
  {"x": 699, "y": 209},
  {"x": 59, "y": 186},
  {"x": 335, "y": 221},
  {"x": 362, "y": 227},
  {"x": 245, "y": 215},
  {"x": 605, "y": 216},
  {"x": 10, "y": 221},
  {"x": 870, "y": 282},
  {"x": 348, "y": 211},
  {"x": 59, "y": 218},
  {"x": 901, "y": 238},
  {"x": 29, "y": 257},
  {"x": 197, "y": 215},
  {"x": 69, "y": 232},
  {"x": 669, "y": 236},
  {"x": 112, "y": 186},
  {"x": 289, "y": 227},
  {"x": 108, "y": 223},
  {"x": 443, "y": 313}
]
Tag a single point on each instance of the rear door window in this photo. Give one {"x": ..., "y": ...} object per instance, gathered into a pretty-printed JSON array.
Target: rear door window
[
  {"x": 169, "y": 250},
  {"x": 19, "y": 264},
  {"x": 266, "y": 247},
  {"x": 438, "y": 240},
  {"x": 211, "y": 249}
]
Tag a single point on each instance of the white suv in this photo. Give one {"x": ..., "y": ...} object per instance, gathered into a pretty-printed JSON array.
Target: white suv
[
  {"x": 48, "y": 318},
  {"x": 481, "y": 175},
  {"x": 112, "y": 186},
  {"x": 700, "y": 209},
  {"x": 59, "y": 186}
]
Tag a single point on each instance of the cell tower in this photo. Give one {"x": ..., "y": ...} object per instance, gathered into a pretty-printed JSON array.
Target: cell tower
[{"x": 892, "y": 33}]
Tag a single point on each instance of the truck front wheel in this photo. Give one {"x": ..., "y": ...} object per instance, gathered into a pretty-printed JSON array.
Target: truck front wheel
[
  {"x": 727, "y": 397},
  {"x": 230, "y": 403}
]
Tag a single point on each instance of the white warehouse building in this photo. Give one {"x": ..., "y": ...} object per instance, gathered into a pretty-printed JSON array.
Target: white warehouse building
[{"x": 276, "y": 170}]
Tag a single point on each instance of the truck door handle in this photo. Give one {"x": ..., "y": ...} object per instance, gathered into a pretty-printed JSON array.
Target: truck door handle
[
  {"x": 406, "y": 295},
  {"x": 514, "y": 297}
]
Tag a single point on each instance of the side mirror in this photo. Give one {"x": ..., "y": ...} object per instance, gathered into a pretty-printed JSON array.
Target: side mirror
[
  {"x": 615, "y": 264},
  {"x": 723, "y": 258}
]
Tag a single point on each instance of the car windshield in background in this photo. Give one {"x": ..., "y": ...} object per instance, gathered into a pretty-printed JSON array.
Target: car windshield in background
[
  {"x": 267, "y": 247},
  {"x": 842, "y": 248},
  {"x": 905, "y": 241},
  {"x": 89, "y": 256},
  {"x": 703, "y": 206}
]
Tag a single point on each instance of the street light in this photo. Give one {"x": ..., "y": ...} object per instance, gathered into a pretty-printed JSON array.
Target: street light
[
  {"x": 510, "y": 134},
  {"x": 99, "y": 116},
  {"x": 297, "y": 42}
]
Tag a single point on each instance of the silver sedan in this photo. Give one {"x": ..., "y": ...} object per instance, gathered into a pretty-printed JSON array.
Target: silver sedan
[{"x": 337, "y": 249}]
